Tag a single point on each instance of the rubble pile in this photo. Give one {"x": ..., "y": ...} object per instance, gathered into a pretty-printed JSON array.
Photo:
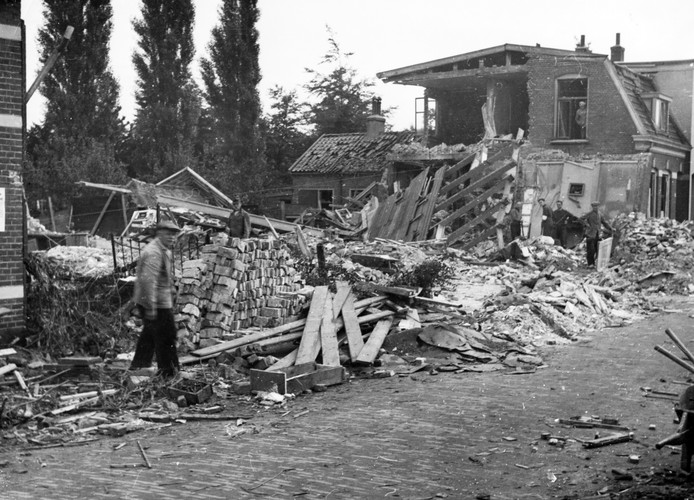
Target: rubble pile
[
  {"x": 77, "y": 261},
  {"x": 656, "y": 254},
  {"x": 249, "y": 283}
]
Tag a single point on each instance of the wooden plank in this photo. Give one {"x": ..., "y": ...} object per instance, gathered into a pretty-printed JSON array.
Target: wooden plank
[
  {"x": 460, "y": 165},
  {"x": 248, "y": 339},
  {"x": 7, "y": 368},
  {"x": 487, "y": 179},
  {"x": 272, "y": 228},
  {"x": 505, "y": 152},
  {"x": 415, "y": 190},
  {"x": 455, "y": 235},
  {"x": 501, "y": 213},
  {"x": 473, "y": 203},
  {"x": 328, "y": 335},
  {"x": 343, "y": 291},
  {"x": 310, "y": 340},
  {"x": 354, "y": 338},
  {"x": 378, "y": 335},
  {"x": 380, "y": 217},
  {"x": 301, "y": 240},
  {"x": 422, "y": 228},
  {"x": 287, "y": 361},
  {"x": 604, "y": 251},
  {"x": 7, "y": 351}
]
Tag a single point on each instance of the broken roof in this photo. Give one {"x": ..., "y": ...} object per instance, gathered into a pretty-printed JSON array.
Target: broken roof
[{"x": 349, "y": 153}]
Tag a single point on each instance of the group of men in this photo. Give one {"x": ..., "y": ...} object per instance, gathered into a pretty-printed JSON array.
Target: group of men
[
  {"x": 555, "y": 223},
  {"x": 154, "y": 293}
]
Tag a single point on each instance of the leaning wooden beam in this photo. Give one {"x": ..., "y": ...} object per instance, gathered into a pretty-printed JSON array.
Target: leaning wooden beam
[
  {"x": 352, "y": 328},
  {"x": 103, "y": 212},
  {"x": 483, "y": 236},
  {"x": 370, "y": 350},
  {"x": 328, "y": 336},
  {"x": 473, "y": 203},
  {"x": 470, "y": 175},
  {"x": 310, "y": 340},
  {"x": 495, "y": 175},
  {"x": 422, "y": 230},
  {"x": 455, "y": 235},
  {"x": 460, "y": 165},
  {"x": 674, "y": 358}
]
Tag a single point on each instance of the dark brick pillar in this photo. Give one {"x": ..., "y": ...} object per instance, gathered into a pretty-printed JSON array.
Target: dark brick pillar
[{"x": 12, "y": 216}]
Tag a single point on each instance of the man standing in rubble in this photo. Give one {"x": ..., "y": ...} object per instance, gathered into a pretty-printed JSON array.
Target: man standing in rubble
[
  {"x": 593, "y": 222},
  {"x": 154, "y": 296},
  {"x": 547, "y": 219},
  {"x": 239, "y": 222},
  {"x": 516, "y": 217},
  {"x": 561, "y": 218}
]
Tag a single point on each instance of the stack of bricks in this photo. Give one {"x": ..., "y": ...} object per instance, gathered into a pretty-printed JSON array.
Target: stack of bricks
[{"x": 246, "y": 283}]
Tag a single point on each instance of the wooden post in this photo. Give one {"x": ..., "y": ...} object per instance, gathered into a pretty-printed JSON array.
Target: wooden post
[
  {"x": 124, "y": 203},
  {"x": 49, "y": 63},
  {"x": 50, "y": 212},
  {"x": 101, "y": 215}
]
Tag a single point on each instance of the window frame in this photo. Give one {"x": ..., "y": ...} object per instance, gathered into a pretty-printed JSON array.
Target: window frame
[
  {"x": 659, "y": 106},
  {"x": 561, "y": 101}
]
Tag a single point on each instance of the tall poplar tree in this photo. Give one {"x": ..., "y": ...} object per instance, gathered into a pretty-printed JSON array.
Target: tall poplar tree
[
  {"x": 231, "y": 76},
  {"x": 342, "y": 99},
  {"x": 168, "y": 101},
  {"x": 82, "y": 130}
]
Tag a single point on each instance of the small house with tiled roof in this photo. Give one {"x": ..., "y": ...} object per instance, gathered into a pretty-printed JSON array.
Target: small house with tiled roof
[
  {"x": 595, "y": 128},
  {"x": 339, "y": 166}
]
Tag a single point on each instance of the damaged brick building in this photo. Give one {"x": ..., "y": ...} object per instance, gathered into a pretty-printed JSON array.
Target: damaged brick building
[{"x": 631, "y": 155}]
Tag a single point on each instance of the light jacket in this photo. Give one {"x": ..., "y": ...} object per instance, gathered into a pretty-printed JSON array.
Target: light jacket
[{"x": 154, "y": 284}]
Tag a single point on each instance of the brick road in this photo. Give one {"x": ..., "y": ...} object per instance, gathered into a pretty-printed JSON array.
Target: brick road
[{"x": 449, "y": 435}]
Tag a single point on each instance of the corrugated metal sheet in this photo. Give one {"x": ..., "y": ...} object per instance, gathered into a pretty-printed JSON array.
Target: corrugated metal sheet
[{"x": 349, "y": 153}]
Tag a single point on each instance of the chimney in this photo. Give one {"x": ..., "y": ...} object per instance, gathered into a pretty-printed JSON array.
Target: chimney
[
  {"x": 617, "y": 51},
  {"x": 375, "y": 124},
  {"x": 581, "y": 47}
]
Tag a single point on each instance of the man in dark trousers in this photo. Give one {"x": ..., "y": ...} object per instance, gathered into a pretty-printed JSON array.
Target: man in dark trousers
[
  {"x": 561, "y": 219},
  {"x": 516, "y": 217},
  {"x": 154, "y": 296},
  {"x": 547, "y": 219},
  {"x": 593, "y": 222},
  {"x": 239, "y": 222}
]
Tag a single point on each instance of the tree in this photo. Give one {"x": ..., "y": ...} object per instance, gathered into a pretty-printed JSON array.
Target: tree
[
  {"x": 231, "y": 76},
  {"x": 286, "y": 137},
  {"x": 342, "y": 99},
  {"x": 168, "y": 101},
  {"x": 82, "y": 132}
]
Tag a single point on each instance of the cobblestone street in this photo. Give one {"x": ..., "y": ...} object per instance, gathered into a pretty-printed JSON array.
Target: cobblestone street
[{"x": 423, "y": 436}]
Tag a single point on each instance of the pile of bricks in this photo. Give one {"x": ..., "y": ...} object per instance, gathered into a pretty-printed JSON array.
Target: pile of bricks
[{"x": 245, "y": 283}]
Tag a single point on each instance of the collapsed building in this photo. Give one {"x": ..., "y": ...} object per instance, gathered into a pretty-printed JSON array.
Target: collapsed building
[{"x": 632, "y": 154}]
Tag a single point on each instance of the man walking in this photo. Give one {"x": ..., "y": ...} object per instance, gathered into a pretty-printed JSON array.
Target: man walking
[
  {"x": 516, "y": 218},
  {"x": 593, "y": 222},
  {"x": 153, "y": 295}
]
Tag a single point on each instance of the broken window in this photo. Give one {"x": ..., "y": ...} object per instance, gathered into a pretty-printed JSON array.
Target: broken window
[
  {"x": 577, "y": 189},
  {"x": 317, "y": 198},
  {"x": 572, "y": 108}
]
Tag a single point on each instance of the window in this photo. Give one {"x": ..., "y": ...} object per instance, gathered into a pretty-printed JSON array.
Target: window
[
  {"x": 659, "y": 106},
  {"x": 572, "y": 108},
  {"x": 577, "y": 189},
  {"x": 317, "y": 198},
  {"x": 425, "y": 115}
]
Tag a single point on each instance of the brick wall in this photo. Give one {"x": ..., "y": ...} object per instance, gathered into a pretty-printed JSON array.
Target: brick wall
[
  {"x": 12, "y": 83},
  {"x": 610, "y": 127}
]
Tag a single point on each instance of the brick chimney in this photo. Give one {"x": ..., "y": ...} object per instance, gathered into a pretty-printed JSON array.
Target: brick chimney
[
  {"x": 617, "y": 51},
  {"x": 581, "y": 47},
  {"x": 375, "y": 123}
]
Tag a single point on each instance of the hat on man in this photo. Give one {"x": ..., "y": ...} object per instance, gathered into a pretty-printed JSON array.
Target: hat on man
[
  {"x": 168, "y": 225},
  {"x": 595, "y": 204}
]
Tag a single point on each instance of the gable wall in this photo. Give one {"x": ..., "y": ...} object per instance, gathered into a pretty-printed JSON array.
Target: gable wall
[{"x": 610, "y": 127}]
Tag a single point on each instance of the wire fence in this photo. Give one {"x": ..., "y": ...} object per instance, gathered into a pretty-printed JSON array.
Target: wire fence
[{"x": 126, "y": 252}]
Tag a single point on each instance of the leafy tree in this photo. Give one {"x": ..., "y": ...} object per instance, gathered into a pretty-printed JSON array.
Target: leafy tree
[
  {"x": 231, "y": 76},
  {"x": 342, "y": 99},
  {"x": 168, "y": 101},
  {"x": 286, "y": 135},
  {"x": 82, "y": 132}
]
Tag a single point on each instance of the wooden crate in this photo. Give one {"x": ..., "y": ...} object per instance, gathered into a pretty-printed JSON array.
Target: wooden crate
[
  {"x": 195, "y": 392},
  {"x": 297, "y": 378}
]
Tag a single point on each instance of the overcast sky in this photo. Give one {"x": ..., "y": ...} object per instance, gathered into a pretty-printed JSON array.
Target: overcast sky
[{"x": 389, "y": 34}]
